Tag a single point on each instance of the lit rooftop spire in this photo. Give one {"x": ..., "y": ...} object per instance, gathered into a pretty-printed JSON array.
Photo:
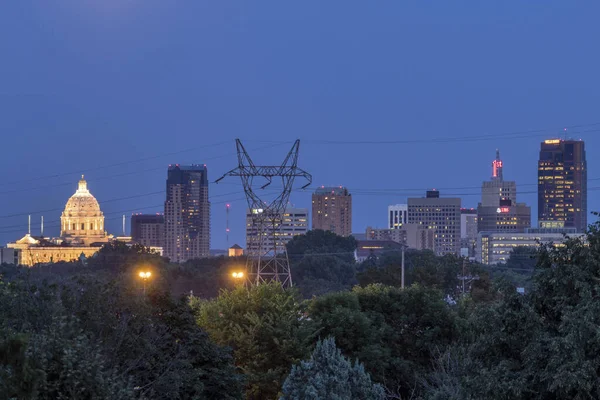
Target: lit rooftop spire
[{"x": 497, "y": 167}]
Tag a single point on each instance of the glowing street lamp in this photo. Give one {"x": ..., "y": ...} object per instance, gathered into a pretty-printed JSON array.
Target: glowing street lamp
[
  {"x": 145, "y": 275},
  {"x": 237, "y": 275}
]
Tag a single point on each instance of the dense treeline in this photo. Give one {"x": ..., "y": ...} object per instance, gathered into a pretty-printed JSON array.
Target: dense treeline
[
  {"x": 69, "y": 331},
  {"x": 345, "y": 331}
]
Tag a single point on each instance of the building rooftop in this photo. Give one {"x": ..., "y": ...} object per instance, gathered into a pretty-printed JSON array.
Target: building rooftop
[
  {"x": 191, "y": 167},
  {"x": 334, "y": 190}
]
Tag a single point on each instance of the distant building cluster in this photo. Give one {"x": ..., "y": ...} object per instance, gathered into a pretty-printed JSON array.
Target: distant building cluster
[
  {"x": 487, "y": 233},
  {"x": 81, "y": 236},
  {"x": 500, "y": 223}
]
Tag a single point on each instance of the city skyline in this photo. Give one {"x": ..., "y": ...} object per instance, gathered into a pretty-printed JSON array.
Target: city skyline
[
  {"x": 373, "y": 218},
  {"x": 118, "y": 93}
]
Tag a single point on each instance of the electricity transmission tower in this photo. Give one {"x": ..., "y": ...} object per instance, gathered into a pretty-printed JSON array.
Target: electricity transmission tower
[{"x": 267, "y": 256}]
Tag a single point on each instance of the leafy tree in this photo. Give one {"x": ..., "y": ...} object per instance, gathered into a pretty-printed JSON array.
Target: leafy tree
[
  {"x": 320, "y": 241},
  {"x": 204, "y": 277},
  {"x": 265, "y": 326},
  {"x": 88, "y": 335},
  {"x": 541, "y": 345},
  {"x": 519, "y": 267},
  {"x": 330, "y": 376},
  {"x": 320, "y": 274},
  {"x": 117, "y": 256},
  {"x": 394, "y": 332},
  {"x": 322, "y": 262},
  {"x": 424, "y": 268}
]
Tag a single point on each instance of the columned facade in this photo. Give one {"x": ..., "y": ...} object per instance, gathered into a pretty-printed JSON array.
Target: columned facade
[{"x": 82, "y": 221}]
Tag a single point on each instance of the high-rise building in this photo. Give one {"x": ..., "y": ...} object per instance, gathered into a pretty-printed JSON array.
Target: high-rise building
[
  {"x": 148, "y": 229},
  {"x": 332, "y": 210},
  {"x": 468, "y": 232},
  {"x": 499, "y": 210},
  {"x": 562, "y": 183},
  {"x": 397, "y": 215},
  {"x": 187, "y": 213},
  {"x": 294, "y": 222},
  {"x": 440, "y": 214}
]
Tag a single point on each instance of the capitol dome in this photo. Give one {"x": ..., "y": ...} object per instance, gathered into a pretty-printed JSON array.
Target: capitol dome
[{"x": 82, "y": 220}]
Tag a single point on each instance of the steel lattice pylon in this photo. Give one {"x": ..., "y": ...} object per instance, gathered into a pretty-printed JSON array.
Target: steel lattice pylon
[{"x": 267, "y": 259}]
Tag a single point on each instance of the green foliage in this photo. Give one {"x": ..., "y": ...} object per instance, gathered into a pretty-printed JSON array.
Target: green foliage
[
  {"x": 266, "y": 328},
  {"x": 90, "y": 336},
  {"x": 330, "y": 376},
  {"x": 394, "y": 332},
  {"x": 120, "y": 257},
  {"x": 322, "y": 262},
  {"x": 519, "y": 267},
  {"x": 317, "y": 275},
  {"x": 204, "y": 277},
  {"x": 424, "y": 268},
  {"x": 320, "y": 241},
  {"x": 543, "y": 345}
]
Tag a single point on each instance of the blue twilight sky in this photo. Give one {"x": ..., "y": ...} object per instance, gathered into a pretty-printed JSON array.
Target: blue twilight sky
[{"x": 118, "y": 89}]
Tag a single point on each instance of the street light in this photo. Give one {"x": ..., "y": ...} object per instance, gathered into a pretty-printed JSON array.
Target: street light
[{"x": 145, "y": 275}]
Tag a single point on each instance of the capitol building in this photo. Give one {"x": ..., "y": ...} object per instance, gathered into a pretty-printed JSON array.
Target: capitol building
[{"x": 82, "y": 233}]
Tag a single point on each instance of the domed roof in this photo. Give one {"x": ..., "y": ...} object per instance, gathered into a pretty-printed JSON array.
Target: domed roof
[{"x": 82, "y": 203}]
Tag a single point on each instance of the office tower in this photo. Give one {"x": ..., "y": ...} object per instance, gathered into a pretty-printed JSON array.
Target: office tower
[
  {"x": 397, "y": 215},
  {"x": 468, "y": 232},
  {"x": 440, "y": 214},
  {"x": 499, "y": 210},
  {"x": 332, "y": 210},
  {"x": 562, "y": 184},
  {"x": 148, "y": 229},
  {"x": 294, "y": 222},
  {"x": 187, "y": 213}
]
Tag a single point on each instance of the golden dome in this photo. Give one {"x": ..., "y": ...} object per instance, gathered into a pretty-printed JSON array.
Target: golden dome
[
  {"x": 82, "y": 219},
  {"x": 82, "y": 203}
]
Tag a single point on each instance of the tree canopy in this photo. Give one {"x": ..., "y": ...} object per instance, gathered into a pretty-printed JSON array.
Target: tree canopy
[
  {"x": 266, "y": 328},
  {"x": 328, "y": 375}
]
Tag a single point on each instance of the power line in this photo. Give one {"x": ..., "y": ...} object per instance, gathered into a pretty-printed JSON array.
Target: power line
[
  {"x": 506, "y": 135},
  {"x": 56, "y": 223},
  {"x": 137, "y": 172},
  {"x": 116, "y": 164}
]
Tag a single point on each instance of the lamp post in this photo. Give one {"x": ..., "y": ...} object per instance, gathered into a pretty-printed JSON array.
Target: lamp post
[
  {"x": 145, "y": 275},
  {"x": 237, "y": 276}
]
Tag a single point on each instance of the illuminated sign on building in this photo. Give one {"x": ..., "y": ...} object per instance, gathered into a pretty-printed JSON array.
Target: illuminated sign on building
[
  {"x": 257, "y": 211},
  {"x": 496, "y": 164},
  {"x": 552, "y": 141},
  {"x": 503, "y": 210}
]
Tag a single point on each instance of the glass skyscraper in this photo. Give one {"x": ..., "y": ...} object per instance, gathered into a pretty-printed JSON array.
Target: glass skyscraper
[
  {"x": 562, "y": 184},
  {"x": 187, "y": 213}
]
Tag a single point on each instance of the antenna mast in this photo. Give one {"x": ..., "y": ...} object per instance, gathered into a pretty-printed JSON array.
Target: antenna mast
[{"x": 227, "y": 224}]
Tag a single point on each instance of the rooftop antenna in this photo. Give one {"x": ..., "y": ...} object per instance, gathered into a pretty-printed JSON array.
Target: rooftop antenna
[
  {"x": 227, "y": 223},
  {"x": 124, "y": 234},
  {"x": 42, "y": 227},
  {"x": 29, "y": 224}
]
